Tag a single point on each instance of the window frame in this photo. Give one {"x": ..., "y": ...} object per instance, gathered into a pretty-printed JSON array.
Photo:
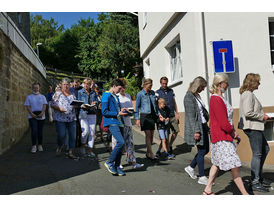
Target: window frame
[{"x": 175, "y": 43}]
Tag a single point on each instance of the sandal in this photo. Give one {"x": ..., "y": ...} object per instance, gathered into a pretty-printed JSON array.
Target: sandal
[{"x": 208, "y": 193}]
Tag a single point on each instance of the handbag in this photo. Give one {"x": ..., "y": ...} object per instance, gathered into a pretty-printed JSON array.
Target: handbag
[
  {"x": 103, "y": 129},
  {"x": 241, "y": 123}
]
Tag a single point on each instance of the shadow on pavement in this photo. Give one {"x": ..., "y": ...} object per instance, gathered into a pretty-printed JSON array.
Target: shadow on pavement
[
  {"x": 231, "y": 187},
  {"x": 21, "y": 170},
  {"x": 182, "y": 149}
]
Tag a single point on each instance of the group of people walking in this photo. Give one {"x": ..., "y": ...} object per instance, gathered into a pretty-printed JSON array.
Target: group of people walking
[
  {"x": 158, "y": 108},
  {"x": 222, "y": 132}
]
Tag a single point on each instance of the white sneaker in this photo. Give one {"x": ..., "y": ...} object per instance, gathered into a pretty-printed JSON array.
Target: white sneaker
[
  {"x": 40, "y": 148},
  {"x": 121, "y": 166},
  {"x": 190, "y": 171},
  {"x": 33, "y": 149},
  {"x": 203, "y": 180}
]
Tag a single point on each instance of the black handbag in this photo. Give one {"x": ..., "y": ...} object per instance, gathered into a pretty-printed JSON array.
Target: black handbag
[{"x": 205, "y": 112}]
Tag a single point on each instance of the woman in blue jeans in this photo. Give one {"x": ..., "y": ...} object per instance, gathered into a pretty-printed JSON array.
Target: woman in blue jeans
[
  {"x": 252, "y": 118},
  {"x": 111, "y": 112},
  {"x": 36, "y": 104},
  {"x": 196, "y": 129},
  {"x": 65, "y": 118}
]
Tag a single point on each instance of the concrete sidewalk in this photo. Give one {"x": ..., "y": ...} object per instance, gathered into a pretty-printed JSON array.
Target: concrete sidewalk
[
  {"x": 179, "y": 145},
  {"x": 43, "y": 173},
  {"x": 180, "y": 141}
]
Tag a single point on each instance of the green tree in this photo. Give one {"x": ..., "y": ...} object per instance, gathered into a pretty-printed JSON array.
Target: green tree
[
  {"x": 67, "y": 47},
  {"x": 59, "y": 47},
  {"x": 45, "y": 32},
  {"x": 111, "y": 47},
  {"x": 90, "y": 61}
]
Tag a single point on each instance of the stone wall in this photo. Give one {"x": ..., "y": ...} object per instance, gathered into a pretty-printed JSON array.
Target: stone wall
[{"x": 16, "y": 77}]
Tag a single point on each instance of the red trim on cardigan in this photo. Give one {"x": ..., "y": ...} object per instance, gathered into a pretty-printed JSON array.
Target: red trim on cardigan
[{"x": 220, "y": 128}]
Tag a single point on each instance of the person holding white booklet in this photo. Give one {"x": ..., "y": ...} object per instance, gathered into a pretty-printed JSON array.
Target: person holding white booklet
[
  {"x": 87, "y": 117},
  {"x": 126, "y": 102}
]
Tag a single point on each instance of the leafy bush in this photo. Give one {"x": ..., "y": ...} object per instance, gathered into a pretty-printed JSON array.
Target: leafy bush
[{"x": 132, "y": 86}]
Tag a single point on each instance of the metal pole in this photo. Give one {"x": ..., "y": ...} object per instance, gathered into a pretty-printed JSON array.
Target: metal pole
[{"x": 205, "y": 55}]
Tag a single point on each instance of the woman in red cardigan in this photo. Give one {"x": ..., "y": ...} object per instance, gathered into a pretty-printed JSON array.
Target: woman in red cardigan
[{"x": 223, "y": 150}]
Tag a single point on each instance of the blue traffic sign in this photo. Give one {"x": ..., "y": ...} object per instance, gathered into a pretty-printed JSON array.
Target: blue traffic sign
[{"x": 223, "y": 57}]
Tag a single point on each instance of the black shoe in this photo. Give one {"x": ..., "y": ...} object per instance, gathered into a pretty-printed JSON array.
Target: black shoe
[
  {"x": 265, "y": 182},
  {"x": 259, "y": 187},
  {"x": 150, "y": 158}
]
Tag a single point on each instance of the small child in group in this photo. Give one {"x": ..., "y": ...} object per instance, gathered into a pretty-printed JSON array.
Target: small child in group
[{"x": 163, "y": 128}]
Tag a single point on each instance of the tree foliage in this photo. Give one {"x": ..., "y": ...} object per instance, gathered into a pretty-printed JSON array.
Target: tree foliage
[
  {"x": 103, "y": 50},
  {"x": 111, "y": 48}
]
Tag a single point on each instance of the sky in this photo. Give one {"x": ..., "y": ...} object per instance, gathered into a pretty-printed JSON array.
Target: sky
[{"x": 67, "y": 18}]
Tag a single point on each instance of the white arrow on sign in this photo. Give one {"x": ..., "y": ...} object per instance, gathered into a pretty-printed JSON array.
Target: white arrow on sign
[{"x": 223, "y": 51}]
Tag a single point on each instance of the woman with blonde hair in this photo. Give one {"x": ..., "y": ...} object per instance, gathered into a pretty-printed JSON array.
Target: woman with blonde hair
[
  {"x": 223, "y": 150},
  {"x": 196, "y": 129},
  {"x": 146, "y": 114},
  {"x": 87, "y": 117},
  {"x": 252, "y": 118}
]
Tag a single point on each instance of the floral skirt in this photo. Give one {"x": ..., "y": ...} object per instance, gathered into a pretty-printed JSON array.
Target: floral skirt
[{"x": 224, "y": 155}]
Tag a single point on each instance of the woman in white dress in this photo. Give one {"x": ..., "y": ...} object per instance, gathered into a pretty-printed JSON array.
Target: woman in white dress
[{"x": 223, "y": 150}]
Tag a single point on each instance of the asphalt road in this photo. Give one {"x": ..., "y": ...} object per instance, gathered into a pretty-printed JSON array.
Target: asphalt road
[{"x": 45, "y": 174}]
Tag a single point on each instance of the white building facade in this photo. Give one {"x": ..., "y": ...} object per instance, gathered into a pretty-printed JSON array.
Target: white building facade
[{"x": 179, "y": 45}]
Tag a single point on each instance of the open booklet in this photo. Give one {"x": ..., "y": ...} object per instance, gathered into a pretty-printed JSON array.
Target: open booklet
[
  {"x": 271, "y": 115},
  {"x": 77, "y": 102},
  {"x": 130, "y": 111},
  {"x": 90, "y": 105}
]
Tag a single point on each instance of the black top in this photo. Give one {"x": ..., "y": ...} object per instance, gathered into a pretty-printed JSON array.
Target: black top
[{"x": 165, "y": 112}]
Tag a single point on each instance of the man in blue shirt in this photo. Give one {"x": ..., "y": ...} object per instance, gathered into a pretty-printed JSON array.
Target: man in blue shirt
[
  {"x": 111, "y": 111},
  {"x": 168, "y": 95}
]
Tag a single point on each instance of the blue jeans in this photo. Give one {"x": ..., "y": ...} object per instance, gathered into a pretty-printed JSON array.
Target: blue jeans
[
  {"x": 202, "y": 151},
  {"x": 260, "y": 149},
  {"x": 62, "y": 128},
  {"x": 36, "y": 130},
  {"x": 117, "y": 152},
  {"x": 163, "y": 133}
]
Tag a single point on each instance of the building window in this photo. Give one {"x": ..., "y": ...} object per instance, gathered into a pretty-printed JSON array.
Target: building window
[
  {"x": 271, "y": 35},
  {"x": 144, "y": 19},
  {"x": 175, "y": 61}
]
